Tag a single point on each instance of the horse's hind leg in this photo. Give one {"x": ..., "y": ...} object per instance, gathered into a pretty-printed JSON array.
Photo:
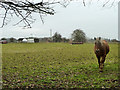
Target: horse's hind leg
[{"x": 102, "y": 63}]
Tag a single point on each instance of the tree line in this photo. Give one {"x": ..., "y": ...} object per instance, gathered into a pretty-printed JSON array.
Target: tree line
[{"x": 78, "y": 35}]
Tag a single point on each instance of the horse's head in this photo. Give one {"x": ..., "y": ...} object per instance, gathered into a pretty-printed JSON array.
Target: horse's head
[{"x": 98, "y": 44}]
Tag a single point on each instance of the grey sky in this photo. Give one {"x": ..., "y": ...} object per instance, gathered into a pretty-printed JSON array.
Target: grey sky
[{"x": 93, "y": 19}]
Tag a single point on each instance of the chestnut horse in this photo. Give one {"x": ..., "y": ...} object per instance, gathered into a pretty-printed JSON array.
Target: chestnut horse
[{"x": 101, "y": 49}]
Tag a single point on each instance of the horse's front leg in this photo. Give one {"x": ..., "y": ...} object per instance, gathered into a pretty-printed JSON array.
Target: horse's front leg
[
  {"x": 98, "y": 57},
  {"x": 102, "y": 63}
]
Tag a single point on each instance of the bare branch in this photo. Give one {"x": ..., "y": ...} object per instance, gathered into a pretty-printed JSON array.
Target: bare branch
[
  {"x": 41, "y": 18},
  {"x": 112, "y": 3},
  {"x": 84, "y": 2},
  {"x": 23, "y": 19},
  {"x": 22, "y": 7},
  {"x": 106, "y": 3},
  {"x": 4, "y": 18}
]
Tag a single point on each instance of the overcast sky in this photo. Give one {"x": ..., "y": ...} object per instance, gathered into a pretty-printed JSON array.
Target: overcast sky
[{"x": 93, "y": 19}]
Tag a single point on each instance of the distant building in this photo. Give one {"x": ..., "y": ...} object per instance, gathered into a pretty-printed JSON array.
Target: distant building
[
  {"x": 30, "y": 40},
  {"x": 24, "y": 40},
  {"x": 20, "y": 39},
  {"x": 13, "y": 40},
  {"x": 34, "y": 40},
  {"x": 45, "y": 39}
]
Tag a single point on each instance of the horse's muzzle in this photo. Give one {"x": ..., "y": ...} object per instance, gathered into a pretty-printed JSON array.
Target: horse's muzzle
[{"x": 97, "y": 51}]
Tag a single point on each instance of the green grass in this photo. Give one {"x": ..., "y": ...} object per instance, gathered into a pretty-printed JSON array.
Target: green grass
[{"x": 57, "y": 65}]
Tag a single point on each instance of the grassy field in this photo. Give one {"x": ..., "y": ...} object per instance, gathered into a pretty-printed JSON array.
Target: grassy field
[{"x": 57, "y": 65}]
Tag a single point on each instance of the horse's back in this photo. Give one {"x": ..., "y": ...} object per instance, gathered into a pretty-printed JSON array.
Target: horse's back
[{"x": 106, "y": 46}]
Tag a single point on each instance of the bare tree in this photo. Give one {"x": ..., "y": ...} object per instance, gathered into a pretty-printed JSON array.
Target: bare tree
[{"x": 24, "y": 9}]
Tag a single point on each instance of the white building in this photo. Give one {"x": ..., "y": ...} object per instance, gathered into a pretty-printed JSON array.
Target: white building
[
  {"x": 30, "y": 40},
  {"x": 24, "y": 40}
]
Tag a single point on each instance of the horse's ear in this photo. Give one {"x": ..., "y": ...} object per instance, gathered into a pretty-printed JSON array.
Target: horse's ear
[
  {"x": 94, "y": 38},
  {"x": 99, "y": 38}
]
